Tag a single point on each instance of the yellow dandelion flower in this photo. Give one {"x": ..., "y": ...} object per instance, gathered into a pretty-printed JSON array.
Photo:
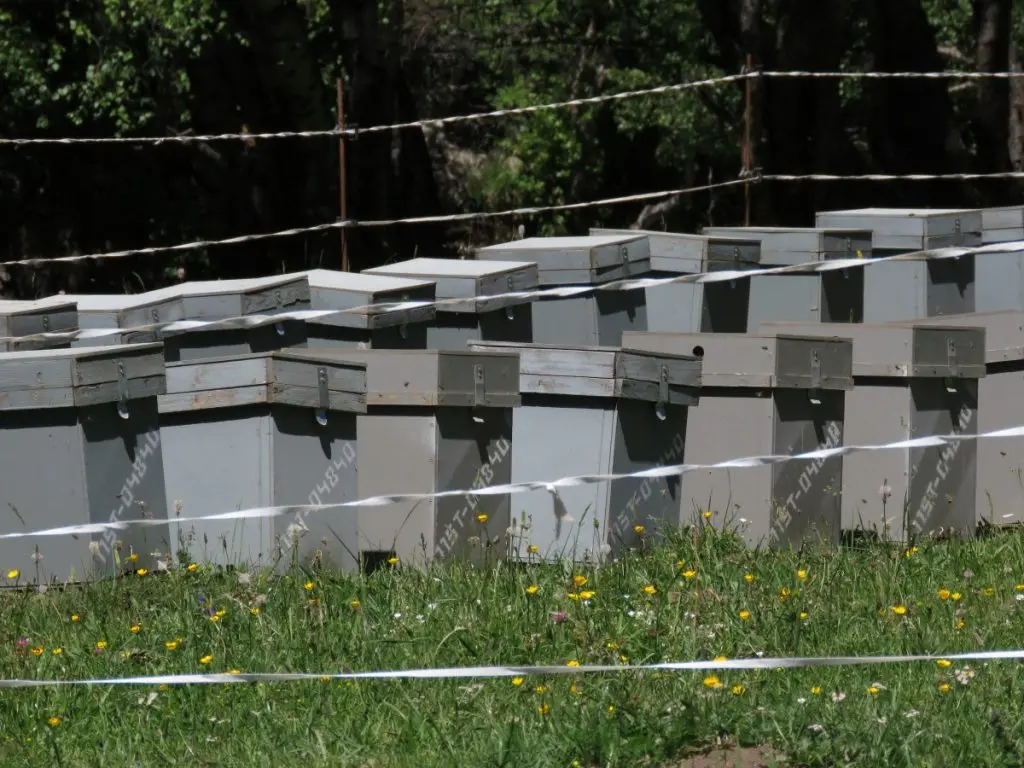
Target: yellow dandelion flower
[
  {"x": 623, "y": 659},
  {"x": 955, "y": 596},
  {"x": 354, "y": 604},
  {"x": 611, "y": 709},
  {"x": 612, "y": 646},
  {"x": 721, "y": 658},
  {"x": 533, "y": 589},
  {"x": 163, "y": 687},
  {"x": 572, "y": 663},
  {"x": 308, "y": 586},
  {"x": 543, "y": 709},
  {"x": 214, "y": 619},
  {"x": 816, "y": 690},
  {"x": 802, "y": 574},
  {"x": 744, "y": 615},
  {"x": 101, "y": 644},
  {"x": 135, "y": 629},
  {"x": 75, "y": 617},
  {"x": 13, "y": 573},
  {"x": 960, "y": 624},
  {"x": 206, "y": 659},
  {"x": 579, "y": 581},
  {"x": 874, "y": 690},
  {"x": 482, "y": 518},
  {"x": 533, "y": 549},
  {"x": 945, "y": 687},
  {"x": 784, "y": 593},
  {"x": 706, "y": 514},
  {"x": 53, "y": 722},
  {"x": 234, "y": 671},
  {"x": 38, "y": 651},
  {"x": 689, "y": 574},
  {"x": 737, "y": 690},
  {"x": 141, "y": 572},
  {"x": 639, "y": 530},
  {"x": 518, "y": 681},
  {"x": 712, "y": 682},
  {"x": 803, "y": 615},
  {"x": 944, "y": 663},
  {"x": 899, "y": 610},
  {"x": 540, "y": 690},
  {"x": 1019, "y": 587},
  {"x": 649, "y": 589},
  {"x": 574, "y": 596},
  {"x": 133, "y": 558},
  {"x": 988, "y": 591},
  {"x": 680, "y": 563},
  {"x": 57, "y": 651},
  {"x": 255, "y": 610},
  {"x": 221, "y": 613},
  {"x": 587, "y": 595},
  {"x": 944, "y": 594},
  {"x": 575, "y": 690},
  {"x": 393, "y": 561},
  {"x": 748, "y": 577},
  {"x": 171, "y": 645},
  {"x": 192, "y": 568}
]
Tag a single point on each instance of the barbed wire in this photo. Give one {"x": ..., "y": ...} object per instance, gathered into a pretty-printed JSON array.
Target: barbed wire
[
  {"x": 355, "y": 132},
  {"x": 529, "y": 211}
]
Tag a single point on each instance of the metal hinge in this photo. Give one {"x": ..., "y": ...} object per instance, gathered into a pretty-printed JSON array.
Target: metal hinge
[{"x": 479, "y": 392}]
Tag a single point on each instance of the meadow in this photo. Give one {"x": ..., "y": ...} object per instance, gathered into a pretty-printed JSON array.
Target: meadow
[{"x": 701, "y": 595}]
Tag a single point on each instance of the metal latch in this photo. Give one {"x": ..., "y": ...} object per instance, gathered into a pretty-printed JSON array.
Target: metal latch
[
  {"x": 951, "y": 363},
  {"x": 662, "y": 404},
  {"x": 403, "y": 329},
  {"x": 958, "y": 240},
  {"x": 813, "y": 393},
  {"x": 479, "y": 392},
  {"x": 323, "y": 396},
  {"x": 624, "y": 253},
  {"x": 155, "y": 314},
  {"x": 122, "y": 391},
  {"x": 46, "y": 323},
  {"x": 510, "y": 312},
  {"x": 849, "y": 247},
  {"x": 277, "y": 299}
]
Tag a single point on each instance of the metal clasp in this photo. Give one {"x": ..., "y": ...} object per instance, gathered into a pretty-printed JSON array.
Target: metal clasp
[
  {"x": 479, "y": 391},
  {"x": 122, "y": 390},
  {"x": 813, "y": 394},
  {"x": 323, "y": 395},
  {"x": 953, "y": 365}
]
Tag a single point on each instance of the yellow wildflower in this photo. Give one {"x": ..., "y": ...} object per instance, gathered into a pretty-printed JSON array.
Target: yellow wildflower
[
  {"x": 960, "y": 624},
  {"x": 988, "y": 591},
  {"x": 533, "y": 589},
  {"x": 944, "y": 663},
  {"x": 579, "y": 581},
  {"x": 689, "y": 574},
  {"x": 206, "y": 659},
  {"x": 803, "y": 615},
  {"x": 101, "y": 644},
  {"x": 572, "y": 663},
  {"x": 712, "y": 682},
  {"x": 650, "y": 589},
  {"x": 308, "y": 586},
  {"x": 354, "y": 604},
  {"x": 237, "y": 672},
  {"x": 816, "y": 690},
  {"x": 135, "y": 629},
  {"x": 1019, "y": 587},
  {"x": 482, "y": 518},
  {"x": 639, "y": 530},
  {"x": 945, "y": 687},
  {"x": 543, "y": 709},
  {"x": 737, "y": 690},
  {"x": 171, "y": 645},
  {"x": 53, "y": 722},
  {"x": 721, "y": 658},
  {"x": 899, "y": 610},
  {"x": 587, "y": 594},
  {"x": 533, "y": 549},
  {"x": 749, "y": 578},
  {"x": 57, "y": 651},
  {"x": 38, "y": 651},
  {"x": 784, "y": 593},
  {"x": 75, "y": 617},
  {"x": 392, "y": 561},
  {"x": 955, "y": 596},
  {"x": 141, "y": 572},
  {"x": 680, "y": 563},
  {"x": 744, "y": 615},
  {"x": 255, "y": 610},
  {"x": 13, "y": 573},
  {"x": 518, "y": 681},
  {"x": 540, "y": 689},
  {"x": 707, "y": 514},
  {"x": 192, "y": 568},
  {"x": 573, "y": 596},
  {"x": 944, "y": 594},
  {"x": 133, "y": 558},
  {"x": 874, "y": 690},
  {"x": 611, "y": 710}
]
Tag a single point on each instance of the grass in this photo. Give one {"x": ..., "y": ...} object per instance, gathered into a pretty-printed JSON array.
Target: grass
[{"x": 876, "y": 600}]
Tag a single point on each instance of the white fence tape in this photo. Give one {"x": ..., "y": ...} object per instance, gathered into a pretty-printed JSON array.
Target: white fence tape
[
  {"x": 464, "y": 673},
  {"x": 552, "y": 487},
  {"x": 253, "y": 321}
]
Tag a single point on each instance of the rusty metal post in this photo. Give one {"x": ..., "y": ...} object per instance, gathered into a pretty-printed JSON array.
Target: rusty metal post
[
  {"x": 748, "y": 146},
  {"x": 342, "y": 176}
]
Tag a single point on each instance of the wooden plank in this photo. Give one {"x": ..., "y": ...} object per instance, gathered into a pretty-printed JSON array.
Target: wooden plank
[
  {"x": 209, "y": 374},
  {"x": 309, "y": 397},
  {"x": 108, "y": 392},
  {"x": 179, "y": 402},
  {"x": 578, "y": 386},
  {"x": 341, "y": 376}
]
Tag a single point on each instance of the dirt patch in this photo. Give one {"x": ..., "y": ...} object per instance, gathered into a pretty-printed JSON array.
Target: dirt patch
[{"x": 733, "y": 757}]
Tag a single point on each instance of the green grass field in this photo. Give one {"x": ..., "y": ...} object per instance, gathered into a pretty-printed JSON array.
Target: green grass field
[{"x": 696, "y": 598}]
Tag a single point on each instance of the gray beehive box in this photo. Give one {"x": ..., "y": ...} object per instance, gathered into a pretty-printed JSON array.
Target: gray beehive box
[
  {"x": 259, "y": 430},
  {"x": 719, "y": 307},
  {"x": 835, "y": 296},
  {"x": 394, "y": 329},
  {"x": 919, "y": 287},
  {"x": 910, "y": 381},
  {"x": 28, "y": 318},
  {"x": 1002, "y": 225},
  {"x": 480, "y": 317},
  {"x": 223, "y": 299},
  {"x": 594, "y": 318},
  {"x": 437, "y": 420},
  {"x": 113, "y": 311},
  {"x": 590, "y": 411},
  {"x": 764, "y": 395},
  {"x": 998, "y": 499},
  {"x": 81, "y": 444}
]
